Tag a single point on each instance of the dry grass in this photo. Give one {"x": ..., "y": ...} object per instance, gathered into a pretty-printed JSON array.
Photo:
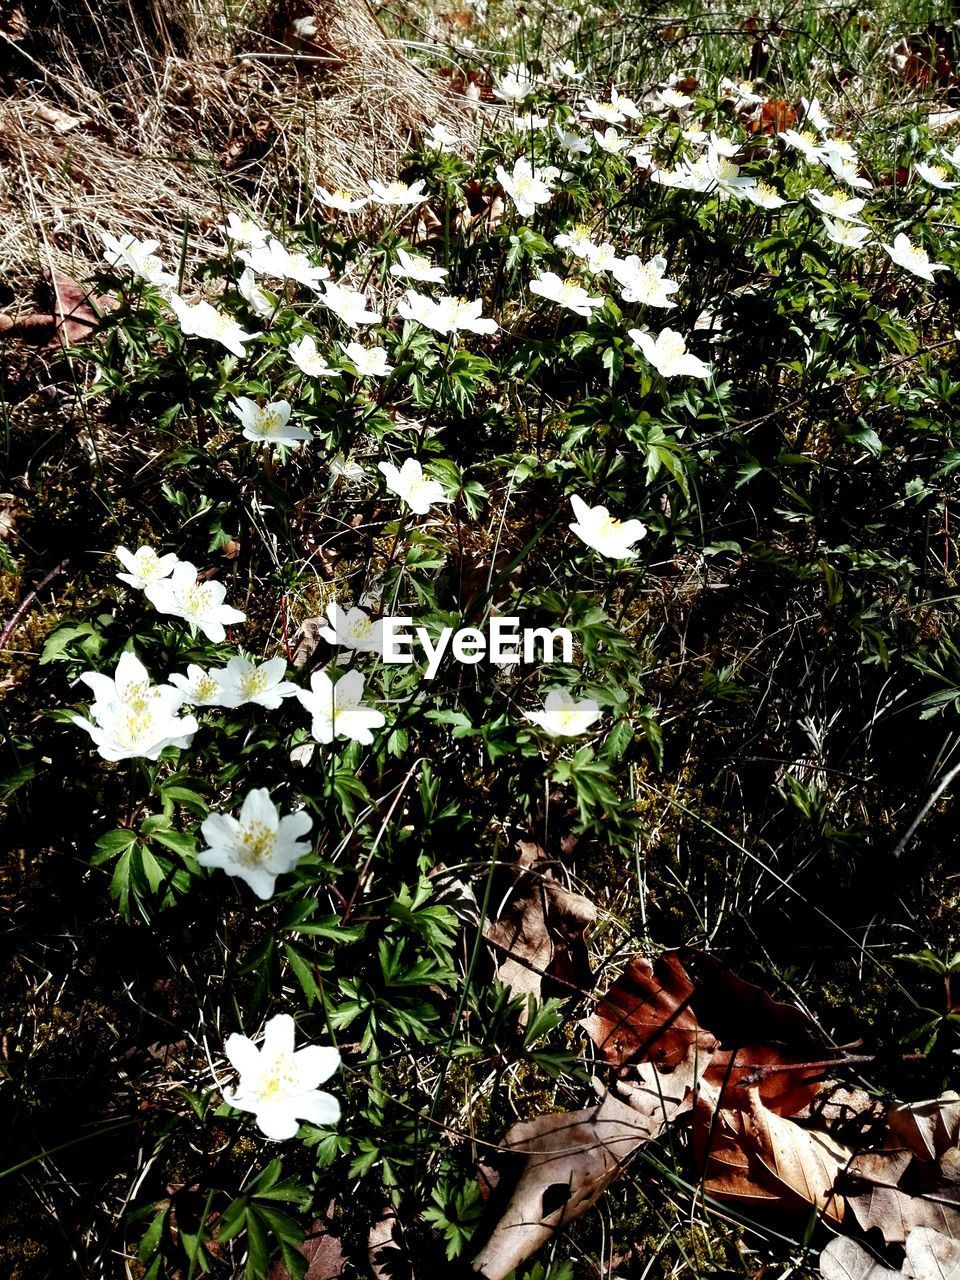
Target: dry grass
[{"x": 184, "y": 136}]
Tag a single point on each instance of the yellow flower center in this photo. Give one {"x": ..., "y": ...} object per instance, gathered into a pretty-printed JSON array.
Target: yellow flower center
[
  {"x": 255, "y": 844},
  {"x": 672, "y": 346},
  {"x": 253, "y": 682},
  {"x": 279, "y": 1082},
  {"x": 269, "y": 421},
  {"x": 206, "y": 688},
  {"x": 135, "y": 723},
  {"x": 196, "y": 599},
  {"x": 608, "y": 525},
  {"x": 222, "y": 326},
  {"x": 359, "y": 629}
]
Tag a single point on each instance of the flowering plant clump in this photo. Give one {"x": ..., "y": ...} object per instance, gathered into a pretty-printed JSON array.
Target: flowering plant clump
[{"x": 652, "y": 364}]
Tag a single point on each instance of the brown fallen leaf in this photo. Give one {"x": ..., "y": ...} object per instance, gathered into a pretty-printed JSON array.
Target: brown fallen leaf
[
  {"x": 753, "y": 1156},
  {"x": 847, "y": 1259},
  {"x": 647, "y": 1015},
  {"x": 571, "y": 1159},
  {"x": 932, "y": 1255},
  {"x": 57, "y": 119},
  {"x": 800, "y": 1161},
  {"x": 658, "y": 1011},
  {"x": 929, "y": 1256},
  {"x": 893, "y": 1191},
  {"x": 386, "y": 1250},
  {"x": 539, "y": 928},
  {"x": 913, "y": 1180},
  {"x": 324, "y": 1255},
  {"x": 931, "y": 1129},
  {"x": 71, "y": 320}
]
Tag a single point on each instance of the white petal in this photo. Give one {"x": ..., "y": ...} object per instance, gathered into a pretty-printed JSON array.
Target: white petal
[
  {"x": 278, "y": 1035},
  {"x": 314, "y": 1064},
  {"x": 278, "y": 1121},
  {"x": 243, "y": 1054},
  {"x": 317, "y": 1108}
]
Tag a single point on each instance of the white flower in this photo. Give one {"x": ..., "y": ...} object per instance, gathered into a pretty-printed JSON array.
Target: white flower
[
  {"x": 441, "y": 139},
  {"x": 936, "y": 175},
  {"x": 764, "y": 196},
  {"x": 566, "y": 69},
  {"x": 727, "y": 175},
  {"x": 201, "y": 320},
  {"x": 268, "y": 423},
  {"x": 130, "y": 685},
  {"x": 199, "y": 603},
  {"x": 574, "y": 144},
  {"x": 714, "y": 170},
  {"x": 577, "y": 241},
  {"x": 602, "y": 258},
  {"x": 641, "y": 156},
  {"x": 244, "y": 231},
  {"x": 516, "y": 85},
  {"x": 199, "y": 688},
  {"x": 913, "y": 259},
  {"x": 337, "y": 710},
  {"x": 144, "y": 566},
  {"x": 257, "y": 847},
  {"x": 601, "y": 531},
  {"x": 369, "y": 362},
  {"x": 847, "y": 172},
  {"x": 397, "y": 192},
  {"x": 274, "y": 259},
  {"x": 445, "y": 315},
  {"x": 841, "y": 159},
  {"x": 414, "y": 266},
  {"x": 672, "y": 100},
  {"x": 806, "y": 142},
  {"x": 668, "y": 354},
  {"x": 610, "y": 140},
  {"x": 564, "y": 716},
  {"x": 342, "y": 201},
  {"x": 742, "y": 94},
  {"x": 259, "y": 302},
  {"x": 838, "y": 150},
  {"x": 837, "y": 205},
  {"x": 349, "y": 305},
  {"x": 342, "y": 468},
  {"x": 644, "y": 281},
  {"x": 132, "y": 718},
  {"x": 813, "y": 117},
  {"x": 280, "y": 1086},
  {"x": 624, "y": 104},
  {"x": 308, "y": 360},
  {"x": 611, "y": 112},
  {"x": 352, "y": 629},
  {"x": 139, "y": 256},
  {"x": 412, "y": 486},
  {"x": 565, "y": 293},
  {"x": 525, "y": 188},
  {"x": 263, "y": 684},
  {"x": 123, "y": 732},
  {"x": 722, "y": 146},
  {"x": 846, "y": 234}
]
